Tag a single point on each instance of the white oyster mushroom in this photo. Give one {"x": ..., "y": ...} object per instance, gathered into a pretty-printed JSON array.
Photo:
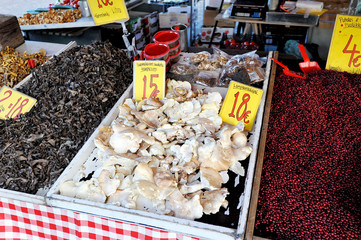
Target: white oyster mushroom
[
  {"x": 90, "y": 190},
  {"x": 210, "y": 178},
  {"x": 147, "y": 189},
  {"x": 130, "y": 103},
  {"x": 102, "y": 140},
  {"x": 107, "y": 183},
  {"x": 212, "y": 116},
  {"x": 242, "y": 153},
  {"x": 124, "y": 142},
  {"x": 157, "y": 149},
  {"x": 205, "y": 150},
  {"x": 179, "y": 90},
  {"x": 239, "y": 139},
  {"x": 152, "y": 205},
  {"x": 160, "y": 136},
  {"x": 152, "y": 118},
  {"x": 129, "y": 140},
  {"x": 69, "y": 188},
  {"x": 215, "y": 97},
  {"x": 127, "y": 183},
  {"x": 143, "y": 172},
  {"x": 125, "y": 198},
  {"x": 213, "y": 200},
  {"x": 237, "y": 168},
  {"x": 191, "y": 187},
  {"x": 185, "y": 208}
]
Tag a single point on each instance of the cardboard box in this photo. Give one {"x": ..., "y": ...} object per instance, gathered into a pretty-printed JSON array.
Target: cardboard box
[
  {"x": 210, "y": 15},
  {"x": 10, "y": 33},
  {"x": 167, "y": 20},
  {"x": 207, "y": 33},
  {"x": 327, "y": 20}
]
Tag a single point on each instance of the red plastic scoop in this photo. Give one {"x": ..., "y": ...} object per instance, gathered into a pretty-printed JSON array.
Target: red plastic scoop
[
  {"x": 287, "y": 71},
  {"x": 307, "y": 66}
]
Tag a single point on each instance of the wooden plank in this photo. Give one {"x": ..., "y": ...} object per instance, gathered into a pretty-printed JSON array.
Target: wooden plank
[
  {"x": 262, "y": 145},
  {"x": 10, "y": 33}
]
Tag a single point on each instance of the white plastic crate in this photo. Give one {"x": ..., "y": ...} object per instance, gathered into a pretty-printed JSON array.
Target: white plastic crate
[
  {"x": 51, "y": 50},
  {"x": 86, "y": 159}
]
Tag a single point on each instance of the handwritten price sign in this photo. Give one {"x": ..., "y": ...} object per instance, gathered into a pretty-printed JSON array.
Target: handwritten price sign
[
  {"x": 345, "y": 48},
  {"x": 108, "y": 11},
  {"x": 241, "y": 104},
  {"x": 14, "y": 103},
  {"x": 149, "y": 79}
]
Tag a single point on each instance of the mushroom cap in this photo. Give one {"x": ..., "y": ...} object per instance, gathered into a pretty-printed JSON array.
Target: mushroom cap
[{"x": 211, "y": 178}]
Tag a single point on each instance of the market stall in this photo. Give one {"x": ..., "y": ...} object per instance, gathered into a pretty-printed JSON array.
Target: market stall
[{"x": 178, "y": 142}]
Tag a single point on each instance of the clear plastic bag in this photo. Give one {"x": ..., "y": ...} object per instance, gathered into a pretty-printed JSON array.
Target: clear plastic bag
[
  {"x": 207, "y": 78},
  {"x": 239, "y": 64},
  {"x": 201, "y": 56},
  {"x": 220, "y": 56},
  {"x": 183, "y": 69}
]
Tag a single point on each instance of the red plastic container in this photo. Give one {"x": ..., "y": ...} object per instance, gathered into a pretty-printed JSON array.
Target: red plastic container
[
  {"x": 156, "y": 51},
  {"x": 171, "y": 38}
]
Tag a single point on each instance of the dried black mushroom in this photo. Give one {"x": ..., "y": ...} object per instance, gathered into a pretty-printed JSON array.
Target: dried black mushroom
[{"x": 75, "y": 90}]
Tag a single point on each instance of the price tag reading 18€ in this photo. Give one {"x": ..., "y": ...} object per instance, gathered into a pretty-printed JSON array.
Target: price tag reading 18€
[
  {"x": 149, "y": 79},
  {"x": 108, "y": 11},
  {"x": 241, "y": 104},
  {"x": 14, "y": 103}
]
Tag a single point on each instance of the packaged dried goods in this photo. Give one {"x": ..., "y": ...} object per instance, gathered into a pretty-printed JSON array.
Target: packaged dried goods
[{"x": 207, "y": 78}]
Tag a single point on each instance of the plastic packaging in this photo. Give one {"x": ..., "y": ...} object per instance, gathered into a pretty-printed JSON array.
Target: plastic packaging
[
  {"x": 238, "y": 65},
  {"x": 199, "y": 57},
  {"x": 207, "y": 78}
]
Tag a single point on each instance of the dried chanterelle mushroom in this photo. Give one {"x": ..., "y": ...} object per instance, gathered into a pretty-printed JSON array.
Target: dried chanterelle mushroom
[{"x": 170, "y": 156}]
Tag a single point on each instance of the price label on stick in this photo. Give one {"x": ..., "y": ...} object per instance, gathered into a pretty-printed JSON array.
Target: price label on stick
[
  {"x": 149, "y": 79},
  {"x": 108, "y": 11},
  {"x": 14, "y": 103},
  {"x": 241, "y": 104},
  {"x": 345, "y": 48}
]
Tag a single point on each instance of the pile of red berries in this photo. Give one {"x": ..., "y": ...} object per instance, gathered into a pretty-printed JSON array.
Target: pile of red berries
[{"x": 311, "y": 177}]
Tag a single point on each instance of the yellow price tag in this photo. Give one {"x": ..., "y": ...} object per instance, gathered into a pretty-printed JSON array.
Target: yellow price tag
[
  {"x": 108, "y": 11},
  {"x": 241, "y": 104},
  {"x": 345, "y": 48},
  {"x": 14, "y": 103},
  {"x": 149, "y": 79}
]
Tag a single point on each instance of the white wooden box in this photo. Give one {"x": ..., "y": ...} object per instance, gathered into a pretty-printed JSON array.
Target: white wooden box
[
  {"x": 86, "y": 157},
  {"x": 51, "y": 50}
]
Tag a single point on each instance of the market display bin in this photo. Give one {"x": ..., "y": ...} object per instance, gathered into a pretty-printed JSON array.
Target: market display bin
[
  {"x": 86, "y": 161},
  {"x": 51, "y": 49}
]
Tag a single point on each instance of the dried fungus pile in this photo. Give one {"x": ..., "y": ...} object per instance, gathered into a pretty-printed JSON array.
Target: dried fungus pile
[
  {"x": 75, "y": 90},
  {"x": 311, "y": 178}
]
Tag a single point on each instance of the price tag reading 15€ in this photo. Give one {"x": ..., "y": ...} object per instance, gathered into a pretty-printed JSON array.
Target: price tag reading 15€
[
  {"x": 14, "y": 103},
  {"x": 108, "y": 11},
  {"x": 149, "y": 79},
  {"x": 241, "y": 104}
]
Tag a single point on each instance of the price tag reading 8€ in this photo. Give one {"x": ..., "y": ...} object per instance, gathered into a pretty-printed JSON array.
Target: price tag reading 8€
[
  {"x": 241, "y": 104},
  {"x": 149, "y": 79},
  {"x": 14, "y": 103}
]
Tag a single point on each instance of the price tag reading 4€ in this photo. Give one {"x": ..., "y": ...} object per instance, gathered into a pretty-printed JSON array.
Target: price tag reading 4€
[
  {"x": 108, "y": 11},
  {"x": 149, "y": 79},
  {"x": 241, "y": 104},
  {"x": 345, "y": 48},
  {"x": 14, "y": 103}
]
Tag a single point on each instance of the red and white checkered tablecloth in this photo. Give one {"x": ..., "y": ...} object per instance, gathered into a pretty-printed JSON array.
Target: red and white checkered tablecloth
[{"x": 23, "y": 220}]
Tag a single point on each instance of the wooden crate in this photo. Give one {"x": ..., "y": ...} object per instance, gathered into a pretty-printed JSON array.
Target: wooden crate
[
  {"x": 10, "y": 33},
  {"x": 259, "y": 164}
]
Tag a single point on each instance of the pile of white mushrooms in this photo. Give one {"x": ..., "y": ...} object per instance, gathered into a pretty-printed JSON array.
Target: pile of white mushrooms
[{"x": 169, "y": 156}]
